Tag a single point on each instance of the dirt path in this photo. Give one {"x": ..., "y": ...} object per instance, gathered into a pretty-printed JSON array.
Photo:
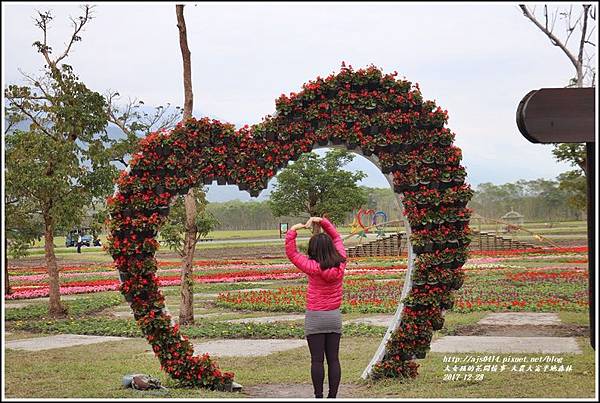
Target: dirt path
[
  {"x": 562, "y": 330},
  {"x": 298, "y": 390}
]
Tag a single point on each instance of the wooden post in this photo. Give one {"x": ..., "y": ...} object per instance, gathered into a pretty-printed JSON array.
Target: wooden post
[
  {"x": 567, "y": 115},
  {"x": 591, "y": 219},
  {"x": 6, "y": 278}
]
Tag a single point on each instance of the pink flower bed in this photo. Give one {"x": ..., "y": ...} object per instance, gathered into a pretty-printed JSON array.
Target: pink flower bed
[{"x": 44, "y": 292}]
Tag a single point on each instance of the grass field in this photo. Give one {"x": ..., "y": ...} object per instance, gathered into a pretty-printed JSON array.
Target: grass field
[
  {"x": 566, "y": 227},
  {"x": 39, "y": 373}
]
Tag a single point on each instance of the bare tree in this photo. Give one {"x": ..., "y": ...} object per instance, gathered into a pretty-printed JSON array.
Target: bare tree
[
  {"x": 580, "y": 25},
  {"x": 134, "y": 122},
  {"x": 186, "y": 308},
  {"x": 575, "y": 23}
]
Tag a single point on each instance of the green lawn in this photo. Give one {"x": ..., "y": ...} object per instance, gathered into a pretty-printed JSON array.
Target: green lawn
[
  {"x": 96, "y": 372},
  {"x": 60, "y": 251}
]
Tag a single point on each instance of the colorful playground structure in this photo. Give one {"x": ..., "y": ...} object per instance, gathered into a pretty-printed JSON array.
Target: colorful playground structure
[
  {"x": 393, "y": 244},
  {"x": 359, "y": 229}
]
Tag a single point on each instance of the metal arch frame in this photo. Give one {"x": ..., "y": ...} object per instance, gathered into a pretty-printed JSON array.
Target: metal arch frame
[{"x": 396, "y": 320}]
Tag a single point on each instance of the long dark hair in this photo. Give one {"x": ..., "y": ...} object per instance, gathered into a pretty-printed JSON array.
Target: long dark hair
[{"x": 321, "y": 249}]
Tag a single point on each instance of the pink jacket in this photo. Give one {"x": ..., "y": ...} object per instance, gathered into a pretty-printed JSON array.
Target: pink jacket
[{"x": 324, "y": 286}]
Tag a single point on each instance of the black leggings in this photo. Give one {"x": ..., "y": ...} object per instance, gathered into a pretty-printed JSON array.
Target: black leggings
[{"x": 328, "y": 345}]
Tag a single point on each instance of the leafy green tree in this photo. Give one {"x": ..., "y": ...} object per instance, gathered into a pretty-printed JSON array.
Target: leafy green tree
[
  {"x": 575, "y": 185},
  {"x": 317, "y": 186},
  {"x": 23, "y": 226},
  {"x": 61, "y": 163},
  {"x": 246, "y": 215},
  {"x": 574, "y": 181},
  {"x": 573, "y": 153},
  {"x": 172, "y": 233}
]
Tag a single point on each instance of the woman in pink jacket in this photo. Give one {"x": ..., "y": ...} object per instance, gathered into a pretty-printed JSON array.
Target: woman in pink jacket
[{"x": 324, "y": 266}]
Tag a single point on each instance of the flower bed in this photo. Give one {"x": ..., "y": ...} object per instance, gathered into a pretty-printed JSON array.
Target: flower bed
[
  {"x": 88, "y": 286},
  {"x": 36, "y": 285},
  {"x": 362, "y": 295},
  {"x": 25, "y": 292},
  {"x": 548, "y": 275},
  {"x": 538, "y": 289},
  {"x": 532, "y": 252}
]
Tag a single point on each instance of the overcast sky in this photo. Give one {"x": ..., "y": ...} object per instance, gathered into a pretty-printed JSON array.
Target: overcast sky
[{"x": 475, "y": 60}]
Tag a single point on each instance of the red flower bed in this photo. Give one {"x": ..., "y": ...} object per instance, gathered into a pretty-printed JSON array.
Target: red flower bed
[
  {"x": 86, "y": 286},
  {"x": 572, "y": 249},
  {"x": 201, "y": 263},
  {"x": 563, "y": 275}
]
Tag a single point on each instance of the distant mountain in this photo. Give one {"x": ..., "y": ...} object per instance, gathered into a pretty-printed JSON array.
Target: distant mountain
[{"x": 222, "y": 193}]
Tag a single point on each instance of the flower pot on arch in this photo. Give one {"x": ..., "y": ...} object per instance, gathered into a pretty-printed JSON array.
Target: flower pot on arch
[
  {"x": 447, "y": 304},
  {"x": 437, "y": 323}
]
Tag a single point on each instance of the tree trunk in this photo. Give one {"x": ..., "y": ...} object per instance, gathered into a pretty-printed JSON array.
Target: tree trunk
[
  {"x": 55, "y": 308},
  {"x": 312, "y": 203},
  {"x": 188, "y": 102},
  {"x": 316, "y": 228},
  {"x": 186, "y": 308}
]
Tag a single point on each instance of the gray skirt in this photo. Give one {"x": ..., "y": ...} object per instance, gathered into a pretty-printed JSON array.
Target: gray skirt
[{"x": 323, "y": 322}]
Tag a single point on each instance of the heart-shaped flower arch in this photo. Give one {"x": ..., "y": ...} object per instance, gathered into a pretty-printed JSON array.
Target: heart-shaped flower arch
[{"x": 373, "y": 114}]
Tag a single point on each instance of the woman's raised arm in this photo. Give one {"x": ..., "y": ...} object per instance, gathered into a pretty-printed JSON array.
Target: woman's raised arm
[{"x": 298, "y": 259}]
